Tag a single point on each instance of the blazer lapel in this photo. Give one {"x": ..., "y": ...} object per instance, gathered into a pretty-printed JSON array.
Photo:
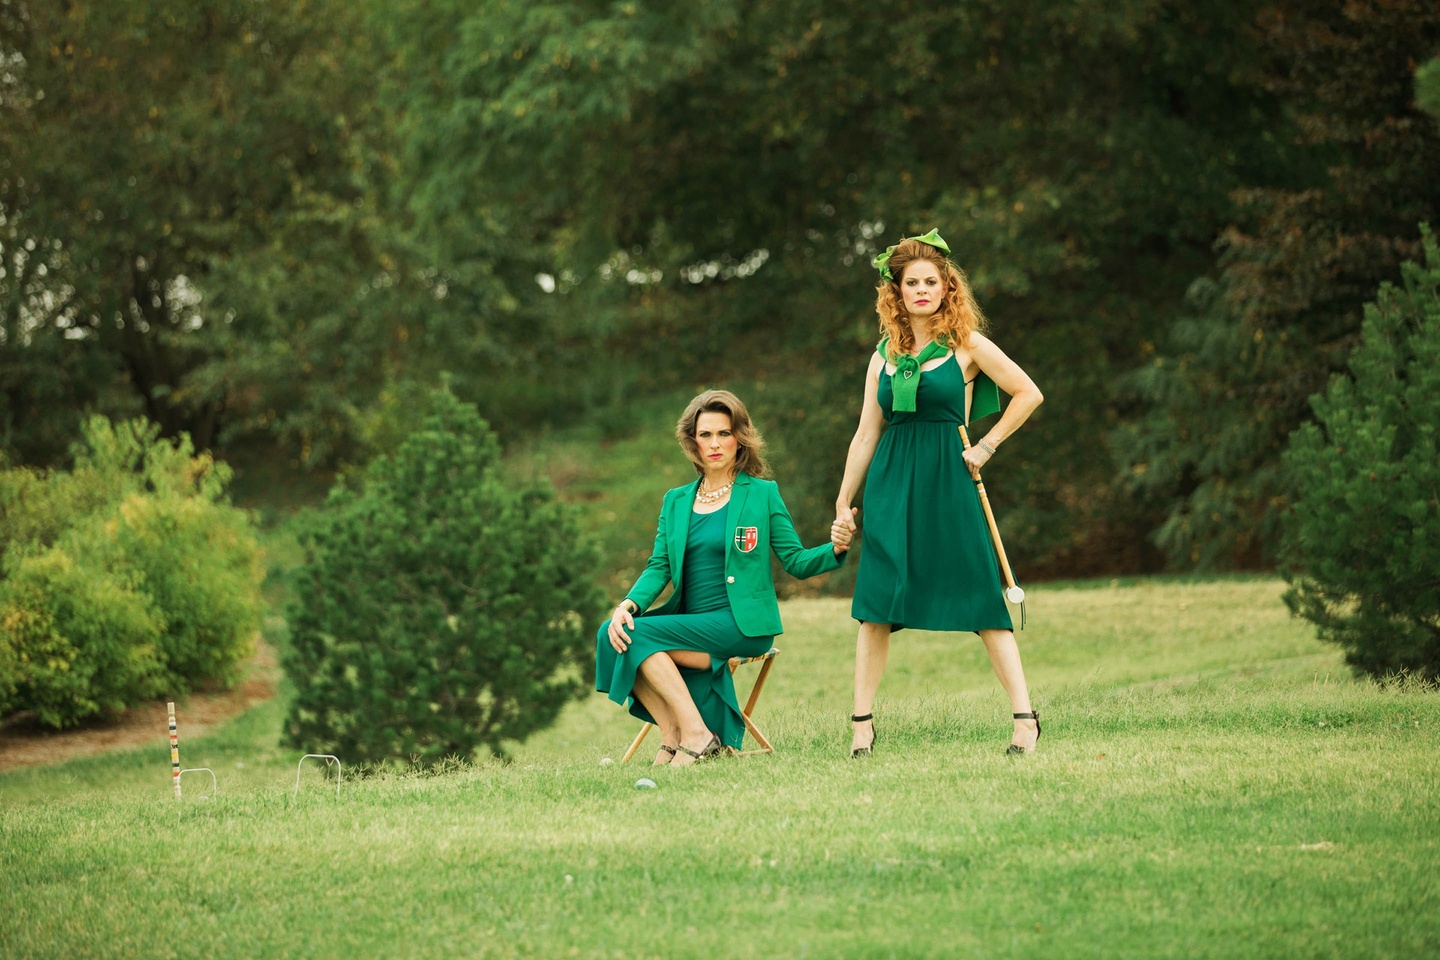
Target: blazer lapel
[{"x": 679, "y": 519}]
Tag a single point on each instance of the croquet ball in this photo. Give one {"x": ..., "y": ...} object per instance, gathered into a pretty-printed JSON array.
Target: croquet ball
[
  {"x": 644, "y": 783},
  {"x": 606, "y": 761}
]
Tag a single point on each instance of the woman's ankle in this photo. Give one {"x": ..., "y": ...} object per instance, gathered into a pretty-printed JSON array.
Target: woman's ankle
[{"x": 700, "y": 735}]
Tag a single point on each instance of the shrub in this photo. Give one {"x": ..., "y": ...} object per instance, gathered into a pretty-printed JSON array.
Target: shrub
[
  {"x": 9, "y": 668},
  {"x": 1361, "y": 544},
  {"x": 438, "y": 608},
  {"x": 200, "y": 564},
  {"x": 37, "y": 506},
  {"x": 83, "y": 641},
  {"x": 112, "y": 462},
  {"x": 122, "y": 579}
]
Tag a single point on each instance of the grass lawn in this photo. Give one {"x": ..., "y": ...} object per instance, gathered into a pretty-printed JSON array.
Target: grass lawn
[{"x": 1211, "y": 783}]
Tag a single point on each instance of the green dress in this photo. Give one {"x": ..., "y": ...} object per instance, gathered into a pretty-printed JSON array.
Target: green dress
[
  {"x": 707, "y": 624},
  {"x": 927, "y": 559}
]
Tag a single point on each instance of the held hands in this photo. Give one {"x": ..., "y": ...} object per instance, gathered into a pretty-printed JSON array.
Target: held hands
[
  {"x": 620, "y": 621},
  {"x": 842, "y": 530}
]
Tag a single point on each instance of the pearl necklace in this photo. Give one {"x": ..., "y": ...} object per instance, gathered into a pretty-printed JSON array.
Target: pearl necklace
[{"x": 712, "y": 496}]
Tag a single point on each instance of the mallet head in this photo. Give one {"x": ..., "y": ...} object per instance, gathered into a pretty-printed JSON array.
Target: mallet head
[{"x": 1015, "y": 595}]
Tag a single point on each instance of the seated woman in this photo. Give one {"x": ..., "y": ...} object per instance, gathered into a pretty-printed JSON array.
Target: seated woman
[{"x": 714, "y": 541}]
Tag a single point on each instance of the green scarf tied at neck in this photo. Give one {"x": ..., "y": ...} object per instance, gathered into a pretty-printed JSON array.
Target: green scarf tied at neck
[{"x": 905, "y": 381}]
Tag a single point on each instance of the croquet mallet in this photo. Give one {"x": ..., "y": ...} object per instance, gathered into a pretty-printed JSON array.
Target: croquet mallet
[{"x": 1013, "y": 593}]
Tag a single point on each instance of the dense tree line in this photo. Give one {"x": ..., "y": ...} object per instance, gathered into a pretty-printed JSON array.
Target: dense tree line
[{"x": 252, "y": 221}]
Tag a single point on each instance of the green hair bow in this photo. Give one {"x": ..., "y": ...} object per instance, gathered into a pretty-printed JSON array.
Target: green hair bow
[{"x": 882, "y": 262}]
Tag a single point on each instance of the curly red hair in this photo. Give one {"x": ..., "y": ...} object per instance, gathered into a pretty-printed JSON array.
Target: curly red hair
[{"x": 958, "y": 317}]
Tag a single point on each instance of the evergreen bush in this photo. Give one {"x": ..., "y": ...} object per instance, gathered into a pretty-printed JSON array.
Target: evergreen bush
[
  {"x": 440, "y": 608},
  {"x": 1361, "y": 545}
]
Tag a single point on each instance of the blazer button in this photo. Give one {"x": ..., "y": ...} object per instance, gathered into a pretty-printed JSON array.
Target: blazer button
[{"x": 729, "y": 579}]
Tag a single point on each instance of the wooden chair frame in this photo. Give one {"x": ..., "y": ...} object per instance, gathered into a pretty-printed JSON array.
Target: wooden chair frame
[{"x": 766, "y": 660}]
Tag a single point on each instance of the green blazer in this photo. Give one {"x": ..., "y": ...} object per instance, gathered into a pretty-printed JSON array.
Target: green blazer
[{"x": 756, "y": 522}]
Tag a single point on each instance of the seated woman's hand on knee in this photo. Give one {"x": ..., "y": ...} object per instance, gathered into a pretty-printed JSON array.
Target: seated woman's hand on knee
[{"x": 619, "y": 623}]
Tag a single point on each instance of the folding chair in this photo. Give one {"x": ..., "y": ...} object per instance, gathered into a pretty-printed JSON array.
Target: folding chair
[{"x": 766, "y": 661}]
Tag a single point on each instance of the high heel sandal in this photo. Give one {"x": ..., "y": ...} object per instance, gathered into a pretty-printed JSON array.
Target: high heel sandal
[
  {"x": 869, "y": 751},
  {"x": 710, "y": 749},
  {"x": 1015, "y": 749},
  {"x": 664, "y": 748}
]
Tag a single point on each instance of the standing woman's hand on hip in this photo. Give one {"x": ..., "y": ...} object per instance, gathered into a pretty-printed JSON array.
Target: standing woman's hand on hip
[{"x": 620, "y": 621}]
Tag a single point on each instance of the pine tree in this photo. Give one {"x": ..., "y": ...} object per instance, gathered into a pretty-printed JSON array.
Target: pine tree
[
  {"x": 440, "y": 608},
  {"x": 1361, "y": 546}
]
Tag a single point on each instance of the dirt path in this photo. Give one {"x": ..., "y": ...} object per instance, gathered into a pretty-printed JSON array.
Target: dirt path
[{"x": 25, "y": 744}]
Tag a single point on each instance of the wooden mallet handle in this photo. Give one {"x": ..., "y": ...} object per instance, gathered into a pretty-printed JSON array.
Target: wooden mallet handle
[{"x": 1013, "y": 593}]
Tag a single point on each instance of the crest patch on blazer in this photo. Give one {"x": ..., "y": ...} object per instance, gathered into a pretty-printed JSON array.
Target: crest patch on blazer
[{"x": 747, "y": 538}]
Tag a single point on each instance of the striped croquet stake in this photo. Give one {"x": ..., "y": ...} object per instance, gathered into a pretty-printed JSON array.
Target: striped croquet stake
[{"x": 174, "y": 751}]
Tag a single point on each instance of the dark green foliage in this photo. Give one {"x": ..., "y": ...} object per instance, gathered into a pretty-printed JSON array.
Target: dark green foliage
[
  {"x": 264, "y": 223},
  {"x": 708, "y": 183},
  {"x": 1362, "y": 541},
  {"x": 124, "y": 579},
  {"x": 1311, "y": 242},
  {"x": 439, "y": 610},
  {"x": 1427, "y": 87},
  {"x": 191, "y": 224}
]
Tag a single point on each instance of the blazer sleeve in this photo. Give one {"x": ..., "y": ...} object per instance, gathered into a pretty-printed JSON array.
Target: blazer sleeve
[
  {"x": 656, "y": 575},
  {"x": 799, "y": 561}
]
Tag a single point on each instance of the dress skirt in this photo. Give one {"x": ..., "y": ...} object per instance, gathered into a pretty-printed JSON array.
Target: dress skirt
[{"x": 713, "y": 690}]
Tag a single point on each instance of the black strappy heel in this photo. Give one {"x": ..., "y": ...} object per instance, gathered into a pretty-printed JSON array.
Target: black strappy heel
[
  {"x": 710, "y": 749},
  {"x": 864, "y": 751},
  {"x": 1015, "y": 749},
  {"x": 665, "y": 748}
]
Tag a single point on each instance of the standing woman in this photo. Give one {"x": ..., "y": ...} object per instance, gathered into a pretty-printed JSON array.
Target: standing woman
[
  {"x": 714, "y": 542},
  {"x": 929, "y": 562}
]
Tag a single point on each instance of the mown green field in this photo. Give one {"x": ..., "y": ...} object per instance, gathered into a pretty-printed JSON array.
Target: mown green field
[{"x": 1211, "y": 783}]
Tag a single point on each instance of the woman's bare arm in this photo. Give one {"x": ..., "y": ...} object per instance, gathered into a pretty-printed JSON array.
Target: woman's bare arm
[
  {"x": 1008, "y": 376},
  {"x": 862, "y": 445}
]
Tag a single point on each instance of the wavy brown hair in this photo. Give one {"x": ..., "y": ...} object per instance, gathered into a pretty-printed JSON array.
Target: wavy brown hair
[
  {"x": 750, "y": 446},
  {"x": 958, "y": 317}
]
